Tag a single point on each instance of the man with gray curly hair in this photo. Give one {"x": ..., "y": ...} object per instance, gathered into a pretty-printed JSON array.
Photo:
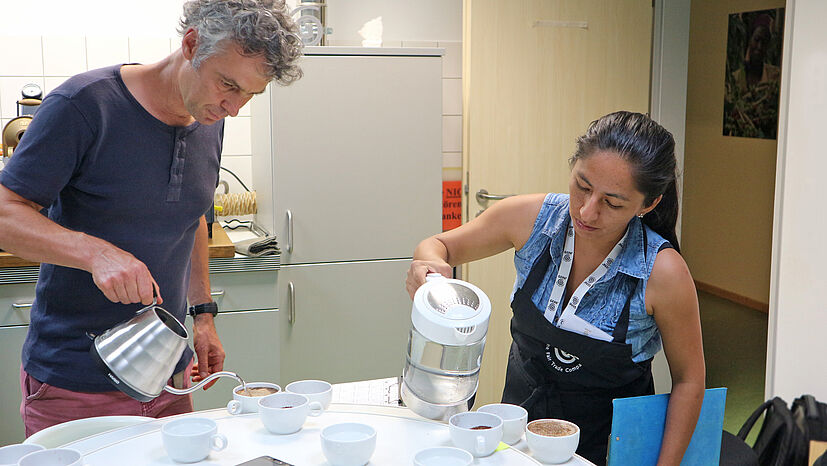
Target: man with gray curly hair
[{"x": 125, "y": 161}]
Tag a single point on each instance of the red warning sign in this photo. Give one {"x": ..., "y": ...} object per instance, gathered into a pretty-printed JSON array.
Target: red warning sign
[{"x": 451, "y": 204}]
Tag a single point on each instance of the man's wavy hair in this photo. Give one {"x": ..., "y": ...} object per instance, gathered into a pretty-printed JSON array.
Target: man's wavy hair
[{"x": 259, "y": 27}]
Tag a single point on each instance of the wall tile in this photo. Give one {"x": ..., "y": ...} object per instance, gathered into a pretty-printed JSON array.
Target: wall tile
[
  {"x": 10, "y": 93},
  {"x": 452, "y": 160},
  {"x": 237, "y": 136},
  {"x": 106, "y": 51},
  {"x": 451, "y": 174},
  {"x": 22, "y": 55},
  {"x": 451, "y": 96},
  {"x": 452, "y": 133},
  {"x": 452, "y": 60},
  {"x": 148, "y": 49},
  {"x": 64, "y": 55},
  {"x": 51, "y": 82}
]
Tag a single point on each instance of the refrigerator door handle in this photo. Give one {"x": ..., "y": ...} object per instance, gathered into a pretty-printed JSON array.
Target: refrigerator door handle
[
  {"x": 289, "y": 231},
  {"x": 291, "y": 303}
]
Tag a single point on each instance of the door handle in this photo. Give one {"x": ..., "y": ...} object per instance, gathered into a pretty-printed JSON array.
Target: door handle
[
  {"x": 291, "y": 303},
  {"x": 483, "y": 196},
  {"x": 21, "y": 306},
  {"x": 289, "y": 231},
  {"x": 216, "y": 294}
]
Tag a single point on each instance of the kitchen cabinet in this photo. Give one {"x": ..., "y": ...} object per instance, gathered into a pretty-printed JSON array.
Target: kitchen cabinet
[
  {"x": 347, "y": 161},
  {"x": 16, "y": 298},
  {"x": 247, "y": 325},
  {"x": 11, "y": 427},
  {"x": 250, "y": 340},
  {"x": 343, "y": 322}
]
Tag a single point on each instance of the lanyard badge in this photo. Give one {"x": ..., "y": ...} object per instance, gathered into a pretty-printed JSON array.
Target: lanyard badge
[{"x": 567, "y": 320}]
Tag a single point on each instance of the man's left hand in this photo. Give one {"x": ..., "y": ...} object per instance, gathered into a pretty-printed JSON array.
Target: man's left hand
[{"x": 209, "y": 353}]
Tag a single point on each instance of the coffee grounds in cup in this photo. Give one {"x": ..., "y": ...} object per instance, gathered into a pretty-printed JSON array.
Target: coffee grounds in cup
[
  {"x": 257, "y": 391},
  {"x": 480, "y": 427},
  {"x": 552, "y": 428}
]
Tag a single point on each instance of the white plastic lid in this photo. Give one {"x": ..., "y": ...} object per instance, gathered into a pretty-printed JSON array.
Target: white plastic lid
[{"x": 449, "y": 311}]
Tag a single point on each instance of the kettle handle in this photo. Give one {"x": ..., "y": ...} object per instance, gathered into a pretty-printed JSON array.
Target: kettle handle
[
  {"x": 433, "y": 276},
  {"x": 154, "y": 301}
]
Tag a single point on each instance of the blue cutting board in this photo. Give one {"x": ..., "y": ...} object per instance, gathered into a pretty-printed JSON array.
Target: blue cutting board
[{"x": 638, "y": 423}]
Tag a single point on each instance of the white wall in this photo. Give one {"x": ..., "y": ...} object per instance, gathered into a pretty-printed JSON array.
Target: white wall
[
  {"x": 797, "y": 346},
  {"x": 57, "y": 38},
  {"x": 136, "y": 18}
]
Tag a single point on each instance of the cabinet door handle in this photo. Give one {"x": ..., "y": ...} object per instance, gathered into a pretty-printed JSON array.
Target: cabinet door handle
[
  {"x": 289, "y": 231},
  {"x": 291, "y": 303},
  {"x": 214, "y": 294},
  {"x": 20, "y": 306}
]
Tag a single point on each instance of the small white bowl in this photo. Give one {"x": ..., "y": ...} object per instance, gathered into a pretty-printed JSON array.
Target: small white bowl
[
  {"x": 315, "y": 390},
  {"x": 514, "y": 420},
  {"x": 443, "y": 456},
  {"x": 348, "y": 443},
  {"x": 552, "y": 449},
  {"x": 249, "y": 404},
  {"x": 11, "y": 454},
  {"x": 52, "y": 457}
]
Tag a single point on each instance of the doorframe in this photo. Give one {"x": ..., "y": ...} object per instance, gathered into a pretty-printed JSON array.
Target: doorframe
[{"x": 667, "y": 106}]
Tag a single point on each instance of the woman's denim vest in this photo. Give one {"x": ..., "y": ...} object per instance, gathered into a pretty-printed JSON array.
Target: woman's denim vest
[{"x": 602, "y": 304}]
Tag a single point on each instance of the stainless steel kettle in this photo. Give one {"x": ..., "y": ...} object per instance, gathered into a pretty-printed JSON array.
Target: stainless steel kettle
[{"x": 139, "y": 355}]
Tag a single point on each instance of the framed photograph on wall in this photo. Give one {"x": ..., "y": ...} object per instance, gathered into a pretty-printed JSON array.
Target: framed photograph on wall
[{"x": 753, "y": 73}]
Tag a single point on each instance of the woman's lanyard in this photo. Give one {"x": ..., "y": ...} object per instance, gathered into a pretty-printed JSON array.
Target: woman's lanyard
[{"x": 567, "y": 320}]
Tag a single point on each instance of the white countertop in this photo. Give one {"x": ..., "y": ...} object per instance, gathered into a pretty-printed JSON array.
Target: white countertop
[{"x": 400, "y": 434}]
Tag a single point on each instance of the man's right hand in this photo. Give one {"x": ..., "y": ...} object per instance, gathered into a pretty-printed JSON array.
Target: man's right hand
[{"x": 122, "y": 278}]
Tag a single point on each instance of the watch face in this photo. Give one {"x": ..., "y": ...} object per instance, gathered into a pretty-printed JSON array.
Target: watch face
[{"x": 32, "y": 91}]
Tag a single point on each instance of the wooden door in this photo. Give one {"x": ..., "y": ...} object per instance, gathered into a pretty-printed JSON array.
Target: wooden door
[{"x": 536, "y": 72}]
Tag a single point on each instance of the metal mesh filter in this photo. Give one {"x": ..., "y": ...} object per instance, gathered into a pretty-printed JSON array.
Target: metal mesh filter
[{"x": 441, "y": 297}]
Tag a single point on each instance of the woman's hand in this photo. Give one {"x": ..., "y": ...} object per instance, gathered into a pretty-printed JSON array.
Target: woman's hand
[{"x": 420, "y": 268}]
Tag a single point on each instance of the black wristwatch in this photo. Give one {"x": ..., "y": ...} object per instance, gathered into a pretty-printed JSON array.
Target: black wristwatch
[{"x": 206, "y": 308}]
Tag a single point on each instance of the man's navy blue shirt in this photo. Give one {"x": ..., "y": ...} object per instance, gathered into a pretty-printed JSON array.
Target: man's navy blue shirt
[{"x": 105, "y": 166}]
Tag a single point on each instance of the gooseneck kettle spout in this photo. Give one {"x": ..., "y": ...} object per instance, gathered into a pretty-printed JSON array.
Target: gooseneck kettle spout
[{"x": 214, "y": 375}]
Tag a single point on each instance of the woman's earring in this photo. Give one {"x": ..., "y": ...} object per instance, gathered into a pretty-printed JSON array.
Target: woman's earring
[{"x": 640, "y": 216}]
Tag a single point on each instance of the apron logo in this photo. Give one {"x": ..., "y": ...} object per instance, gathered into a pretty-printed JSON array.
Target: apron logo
[
  {"x": 564, "y": 357},
  {"x": 562, "y": 361},
  {"x": 567, "y": 257}
]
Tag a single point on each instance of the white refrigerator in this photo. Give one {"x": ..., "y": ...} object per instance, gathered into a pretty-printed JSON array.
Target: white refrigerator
[{"x": 347, "y": 166}]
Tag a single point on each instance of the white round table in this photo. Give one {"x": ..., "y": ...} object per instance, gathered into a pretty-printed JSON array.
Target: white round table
[{"x": 400, "y": 434}]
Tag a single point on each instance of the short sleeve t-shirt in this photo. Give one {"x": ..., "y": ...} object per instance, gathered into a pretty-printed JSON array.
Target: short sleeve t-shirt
[{"x": 102, "y": 165}]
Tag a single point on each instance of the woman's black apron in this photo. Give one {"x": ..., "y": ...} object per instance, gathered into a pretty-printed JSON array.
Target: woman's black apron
[{"x": 555, "y": 373}]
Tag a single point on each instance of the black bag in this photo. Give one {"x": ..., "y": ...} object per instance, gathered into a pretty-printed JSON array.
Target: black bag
[
  {"x": 811, "y": 417},
  {"x": 780, "y": 441}
]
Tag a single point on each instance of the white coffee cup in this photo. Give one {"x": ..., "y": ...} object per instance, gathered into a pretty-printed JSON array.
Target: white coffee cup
[
  {"x": 11, "y": 454},
  {"x": 315, "y": 390},
  {"x": 348, "y": 444},
  {"x": 285, "y": 413},
  {"x": 465, "y": 432},
  {"x": 191, "y": 439},
  {"x": 52, "y": 457},
  {"x": 514, "y": 420},
  {"x": 551, "y": 448},
  {"x": 248, "y": 404},
  {"x": 443, "y": 456}
]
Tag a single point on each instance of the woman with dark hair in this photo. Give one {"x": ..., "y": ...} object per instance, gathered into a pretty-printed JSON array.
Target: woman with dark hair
[{"x": 601, "y": 285}]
